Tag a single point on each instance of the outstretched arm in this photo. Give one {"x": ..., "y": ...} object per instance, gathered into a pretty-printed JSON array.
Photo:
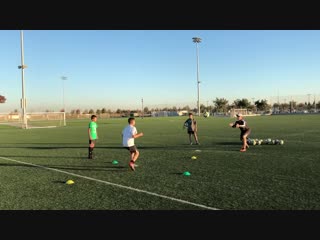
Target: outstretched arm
[
  {"x": 234, "y": 125},
  {"x": 137, "y": 135}
]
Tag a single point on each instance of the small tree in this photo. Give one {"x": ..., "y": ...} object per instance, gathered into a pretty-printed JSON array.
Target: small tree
[
  {"x": 91, "y": 111},
  {"x": 243, "y": 103},
  {"x": 293, "y": 105},
  {"x": 300, "y": 106},
  {"x": 146, "y": 110},
  {"x": 221, "y": 104},
  {"x": 202, "y": 108},
  {"x": 262, "y": 105},
  {"x": 98, "y": 112},
  {"x": 2, "y": 99},
  {"x": 78, "y": 111},
  {"x": 85, "y": 111},
  {"x": 186, "y": 108},
  {"x": 103, "y": 110}
]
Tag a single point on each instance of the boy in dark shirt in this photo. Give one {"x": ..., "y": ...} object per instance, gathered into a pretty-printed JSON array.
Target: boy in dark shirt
[
  {"x": 191, "y": 125},
  {"x": 244, "y": 131}
]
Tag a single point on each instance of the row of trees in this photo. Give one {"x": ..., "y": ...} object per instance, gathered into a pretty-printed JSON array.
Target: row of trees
[
  {"x": 222, "y": 105},
  {"x": 219, "y": 105}
]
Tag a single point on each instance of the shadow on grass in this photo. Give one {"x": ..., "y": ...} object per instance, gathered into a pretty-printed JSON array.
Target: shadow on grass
[
  {"x": 177, "y": 173},
  {"x": 66, "y": 167},
  {"x": 229, "y": 143},
  {"x": 40, "y": 156},
  {"x": 61, "y": 182}
]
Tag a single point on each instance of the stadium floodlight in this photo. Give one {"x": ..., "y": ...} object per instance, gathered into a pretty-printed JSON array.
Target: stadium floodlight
[
  {"x": 63, "y": 102},
  {"x": 23, "y": 99},
  {"x": 197, "y": 40}
]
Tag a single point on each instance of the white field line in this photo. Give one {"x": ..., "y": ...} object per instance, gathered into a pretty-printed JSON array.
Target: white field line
[{"x": 114, "y": 184}]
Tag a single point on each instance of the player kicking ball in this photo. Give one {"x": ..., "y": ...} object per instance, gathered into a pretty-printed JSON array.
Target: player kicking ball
[
  {"x": 129, "y": 133},
  {"x": 244, "y": 131}
]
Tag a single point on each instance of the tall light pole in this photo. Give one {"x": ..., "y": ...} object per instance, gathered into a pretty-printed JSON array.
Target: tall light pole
[
  {"x": 23, "y": 99},
  {"x": 63, "y": 102},
  {"x": 142, "y": 111},
  {"x": 197, "y": 40},
  {"x": 309, "y": 102},
  {"x": 254, "y": 105}
]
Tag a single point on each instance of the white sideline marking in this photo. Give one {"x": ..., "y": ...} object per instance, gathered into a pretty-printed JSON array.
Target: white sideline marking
[{"x": 114, "y": 184}]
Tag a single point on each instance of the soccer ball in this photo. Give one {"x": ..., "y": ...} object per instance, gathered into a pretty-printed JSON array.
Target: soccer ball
[
  {"x": 269, "y": 141},
  {"x": 281, "y": 142},
  {"x": 206, "y": 114}
]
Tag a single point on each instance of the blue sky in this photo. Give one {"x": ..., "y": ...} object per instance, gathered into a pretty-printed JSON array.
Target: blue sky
[{"x": 115, "y": 69}]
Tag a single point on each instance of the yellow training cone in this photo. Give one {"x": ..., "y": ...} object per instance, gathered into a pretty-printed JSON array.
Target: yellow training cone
[{"x": 69, "y": 182}]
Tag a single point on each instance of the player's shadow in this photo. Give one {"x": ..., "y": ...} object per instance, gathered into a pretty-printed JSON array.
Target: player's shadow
[
  {"x": 228, "y": 143},
  {"x": 39, "y": 156},
  {"x": 68, "y": 167}
]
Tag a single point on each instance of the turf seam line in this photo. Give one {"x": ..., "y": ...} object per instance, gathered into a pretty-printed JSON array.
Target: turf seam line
[{"x": 114, "y": 184}]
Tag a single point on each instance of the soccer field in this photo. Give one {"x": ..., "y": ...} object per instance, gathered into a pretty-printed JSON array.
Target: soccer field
[{"x": 35, "y": 163}]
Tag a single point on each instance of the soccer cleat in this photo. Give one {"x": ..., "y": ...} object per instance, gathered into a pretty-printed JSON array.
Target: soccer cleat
[
  {"x": 131, "y": 165},
  {"x": 197, "y": 143},
  {"x": 243, "y": 149}
]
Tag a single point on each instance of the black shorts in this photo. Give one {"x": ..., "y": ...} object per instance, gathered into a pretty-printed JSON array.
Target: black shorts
[
  {"x": 132, "y": 148},
  {"x": 247, "y": 132},
  {"x": 92, "y": 141},
  {"x": 190, "y": 132}
]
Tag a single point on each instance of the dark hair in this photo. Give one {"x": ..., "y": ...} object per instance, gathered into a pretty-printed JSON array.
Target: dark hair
[
  {"x": 190, "y": 114},
  {"x": 93, "y": 116},
  {"x": 130, "y": 119}
]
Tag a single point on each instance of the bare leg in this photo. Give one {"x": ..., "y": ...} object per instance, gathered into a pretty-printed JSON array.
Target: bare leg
[
  {"x": 131, "y": 156},
  {"x": 196, "y": 137},
  {"x": 135, "y": 156},
  {"x": 245, "y": 143}
]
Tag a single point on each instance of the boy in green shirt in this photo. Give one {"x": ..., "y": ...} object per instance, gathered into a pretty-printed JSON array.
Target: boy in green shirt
[{"x": 93, "y": 134}]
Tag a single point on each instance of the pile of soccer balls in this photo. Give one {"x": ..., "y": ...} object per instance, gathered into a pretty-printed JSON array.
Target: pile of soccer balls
[{"x": 268, "y": 141}]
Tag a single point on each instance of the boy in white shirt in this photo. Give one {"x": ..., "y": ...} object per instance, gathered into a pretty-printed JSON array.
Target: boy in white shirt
[{"x": 129, "y": 133}]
